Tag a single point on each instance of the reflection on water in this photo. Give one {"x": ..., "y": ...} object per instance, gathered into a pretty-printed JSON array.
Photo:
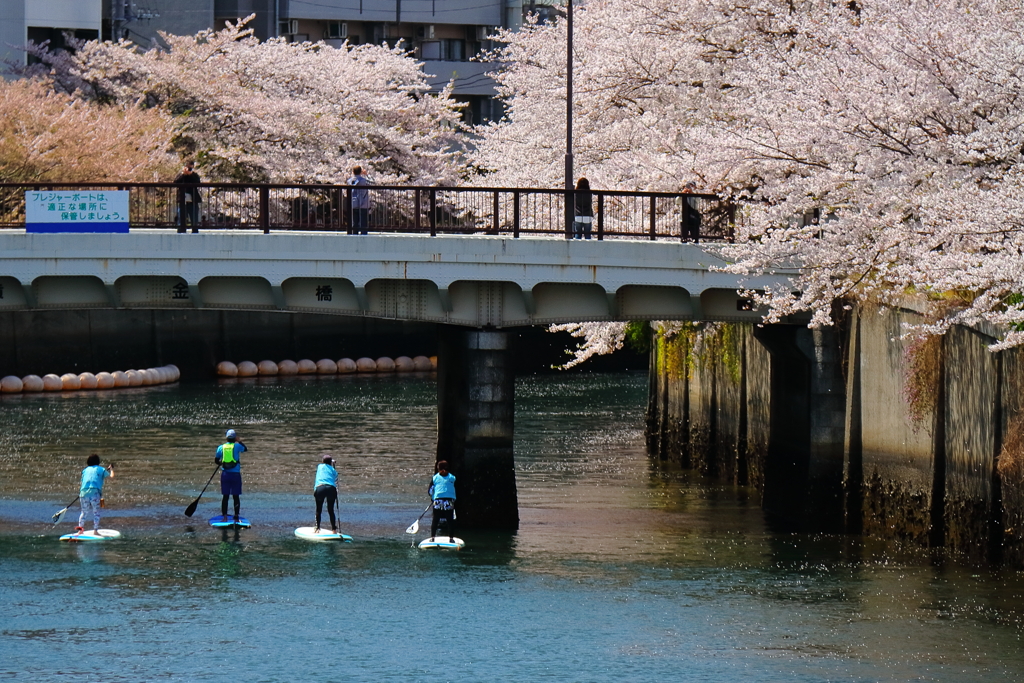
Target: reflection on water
[{"x": 621, "y": 570}]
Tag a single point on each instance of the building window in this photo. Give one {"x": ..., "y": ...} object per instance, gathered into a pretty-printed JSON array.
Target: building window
[
  {"x": 480, "y": 109},
  {"x": 430, "y": 50},
  {"x": 337, "y": 30},
  {"x": 453, "y": 50}
]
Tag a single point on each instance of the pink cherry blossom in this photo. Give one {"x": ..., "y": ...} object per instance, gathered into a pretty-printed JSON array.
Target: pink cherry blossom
[
  {"x": 279, "y": 111},
  {"x": 49, "y": 137},
  {"x": 874, "y": 145}
]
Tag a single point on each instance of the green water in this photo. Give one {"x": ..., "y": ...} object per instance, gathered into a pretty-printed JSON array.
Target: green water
[{"x": 621, "y": 570}]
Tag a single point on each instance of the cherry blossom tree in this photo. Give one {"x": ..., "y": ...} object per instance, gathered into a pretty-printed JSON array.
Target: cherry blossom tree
[
  {"x": 599, "y": 339},
  {"x": 279, "y": 111},
  {"x": 873, "y": 145},
  {"x": 899, "y": 127},
  {"x": 634, "y": 67},
  {"x": 50, "y": 137}
]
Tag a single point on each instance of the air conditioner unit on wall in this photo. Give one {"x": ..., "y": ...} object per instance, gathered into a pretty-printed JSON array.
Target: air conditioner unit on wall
[
  {"x": 288, "y": 27},
  {"x": 337, "y": 30}
]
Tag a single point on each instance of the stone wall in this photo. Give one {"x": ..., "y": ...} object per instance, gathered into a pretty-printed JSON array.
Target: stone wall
[
  {"x": 1010, "y": 466},
  {"x": 891, "y": 452},
  {"x": 852, "y": 429},
  {"x": 709, "y": 402}
]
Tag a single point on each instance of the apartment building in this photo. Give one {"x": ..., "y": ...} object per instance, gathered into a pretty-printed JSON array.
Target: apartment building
[
  {"x": 41, "y": 20},
  {"x": 446, "y": 35}
]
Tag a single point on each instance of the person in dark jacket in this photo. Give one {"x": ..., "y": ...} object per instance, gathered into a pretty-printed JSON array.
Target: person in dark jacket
[
  {"x": 584, "y": 210},
  {"x": 189, "y": 196},
  {"x": 691, "y": 215}
]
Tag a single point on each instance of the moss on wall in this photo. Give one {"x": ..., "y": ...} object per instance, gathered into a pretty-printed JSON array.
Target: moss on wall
[{"x": 939, "y": 425}]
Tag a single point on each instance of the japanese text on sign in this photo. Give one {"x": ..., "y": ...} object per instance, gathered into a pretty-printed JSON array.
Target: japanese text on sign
[{"x": 76, "y": 211}]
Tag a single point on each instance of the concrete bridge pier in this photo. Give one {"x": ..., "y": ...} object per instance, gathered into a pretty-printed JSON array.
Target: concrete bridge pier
[
  {"x": 475, "y": 420},
  {"x": 803, "y": 472}
]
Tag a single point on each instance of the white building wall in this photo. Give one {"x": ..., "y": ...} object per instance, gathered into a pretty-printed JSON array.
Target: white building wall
[
  {"x": 64, "y": 13},
  {"x": 17, "y": 15},
  {"x": 12, "y": 29}
]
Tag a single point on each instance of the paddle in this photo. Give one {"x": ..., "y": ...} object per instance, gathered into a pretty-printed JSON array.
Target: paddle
[
  {"x": 415, "y": 526},
  {"x": 337, "y": 505},
  {"x": 60, "y": 515},
  {"x": 190, "y": 510}
]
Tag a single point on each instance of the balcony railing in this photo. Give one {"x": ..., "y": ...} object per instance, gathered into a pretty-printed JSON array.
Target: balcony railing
[{"x": 509, "y": 212}]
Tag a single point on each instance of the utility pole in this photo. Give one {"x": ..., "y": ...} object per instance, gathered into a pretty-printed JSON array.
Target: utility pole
[
  {"x": 117, "y": 19},
  {"x": 569, "y": 195}
]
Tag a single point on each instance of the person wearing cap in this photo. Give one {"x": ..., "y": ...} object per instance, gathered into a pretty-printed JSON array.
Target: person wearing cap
[
  {"x": 91, "y": 491},
  {"x": 231, "y": 471},
  {"x": 442, "y": 492},
  {"x": 325, "y": 488}
]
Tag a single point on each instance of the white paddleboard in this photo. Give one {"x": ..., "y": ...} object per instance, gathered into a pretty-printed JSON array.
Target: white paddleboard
[
  {"x": 91, "y": 536},
  {"x": 228, "y": 522},
  {"x": 443, "y": 543},
  {"x": 310, "y": 533}
]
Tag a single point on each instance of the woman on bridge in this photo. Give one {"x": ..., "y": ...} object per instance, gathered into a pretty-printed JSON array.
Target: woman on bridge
[{"x": 584, "y": 202}]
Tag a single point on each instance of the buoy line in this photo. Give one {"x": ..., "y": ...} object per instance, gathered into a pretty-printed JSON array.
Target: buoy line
[
  {"x": 325, "y": 366},
  {"x": 87, "y": 381}
]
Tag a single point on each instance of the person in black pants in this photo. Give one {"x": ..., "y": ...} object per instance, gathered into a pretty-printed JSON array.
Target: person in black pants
[
  {"x": 189, "y": 196},
  {"x": 325, "y": 489},
  {"x": 691, "y": 214}
]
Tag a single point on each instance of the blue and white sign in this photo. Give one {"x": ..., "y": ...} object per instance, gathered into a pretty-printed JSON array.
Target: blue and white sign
[{"x": 76, "y": 211}]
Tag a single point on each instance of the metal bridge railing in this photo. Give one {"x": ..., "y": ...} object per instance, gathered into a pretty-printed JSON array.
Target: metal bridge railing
[{"x": 512, "y": 212}]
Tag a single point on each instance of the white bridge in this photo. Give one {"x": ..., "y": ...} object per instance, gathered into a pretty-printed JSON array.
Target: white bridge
[{"x": 476, "y": 281}]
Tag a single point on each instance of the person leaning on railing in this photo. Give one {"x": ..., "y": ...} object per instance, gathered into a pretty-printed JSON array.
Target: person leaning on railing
[
  {"x": 584, "y": 210},
  {"x": 189, "y": 197},
  {"x": 360, "y": 201},
  {"x": 691, "y": 216}
]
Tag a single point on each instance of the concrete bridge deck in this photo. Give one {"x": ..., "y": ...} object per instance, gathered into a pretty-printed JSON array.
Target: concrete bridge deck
[{"x": 471, "y": 281}]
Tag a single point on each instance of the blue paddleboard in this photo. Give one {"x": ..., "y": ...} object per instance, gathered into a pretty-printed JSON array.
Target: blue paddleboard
[
  {"x": 443, "y": 543},
  {"x": 228, "y": 522},
  {"x": 309, "y": 533},
  {"x": 91, "y": 536}
]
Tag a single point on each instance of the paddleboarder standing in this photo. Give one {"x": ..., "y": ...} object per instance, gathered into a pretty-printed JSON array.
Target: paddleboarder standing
[
  {"x": 227, "y": 457},
  {"x": 442, "y": 492},
  {"x": 325, "y": 488},
  {"x": 91, "y": 491}
]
